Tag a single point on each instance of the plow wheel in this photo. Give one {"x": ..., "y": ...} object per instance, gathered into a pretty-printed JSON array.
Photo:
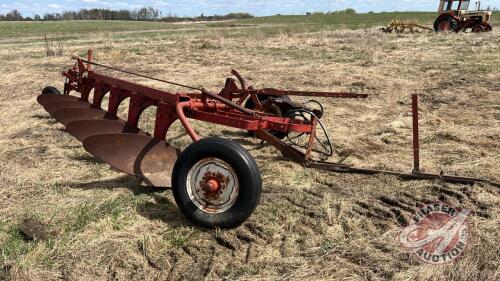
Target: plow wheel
[
  {"x": 272, "y": 108},
  {"x": 49, "y": 90},
  {"x": 268, "y": 107},
  {"x": 216, "y": 183}
]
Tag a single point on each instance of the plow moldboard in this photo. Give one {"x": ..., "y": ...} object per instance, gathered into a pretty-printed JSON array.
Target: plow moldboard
[
  {"x": 83, "y": 129},
  {"x": 138, "y": 155},
  {"x": 68, "y": 115},
  {"x": 44, "y": 99},
  {"x": 54, "y": 106}
]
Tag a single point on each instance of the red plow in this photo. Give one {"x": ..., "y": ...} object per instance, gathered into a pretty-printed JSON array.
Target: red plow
[{"x": 215, "y": 181}]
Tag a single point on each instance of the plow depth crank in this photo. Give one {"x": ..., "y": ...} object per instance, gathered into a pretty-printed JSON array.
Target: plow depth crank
[{"x": 215, "y": 181}]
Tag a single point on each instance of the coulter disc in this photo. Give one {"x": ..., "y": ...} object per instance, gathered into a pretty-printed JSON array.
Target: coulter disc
[
  {"x": 83, "y": 129},
  {"x": 138, "y": 155}
]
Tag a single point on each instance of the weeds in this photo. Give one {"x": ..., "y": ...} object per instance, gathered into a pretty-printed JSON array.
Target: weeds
[
  {"x": 54, "y": 46},
  {"x": 137, "y": 51},
  {"x": 210, "y": 45},
  {"x": 15, "y": 246},
  {"x": 88, "y": 213},
  {"x": 178, "y": 237}
]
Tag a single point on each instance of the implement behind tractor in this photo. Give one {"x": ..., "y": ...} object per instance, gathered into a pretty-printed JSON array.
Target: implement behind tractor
[
  {"x": 215, "y": 181},
  {"x": 399, "y": 26}
]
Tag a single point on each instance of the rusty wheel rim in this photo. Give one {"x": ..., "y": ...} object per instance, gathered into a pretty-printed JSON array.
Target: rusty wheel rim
[{"x": 212, "y": 185}]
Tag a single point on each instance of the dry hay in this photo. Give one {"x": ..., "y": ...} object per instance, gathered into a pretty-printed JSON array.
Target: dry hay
[{"x": 310, "y": 224}]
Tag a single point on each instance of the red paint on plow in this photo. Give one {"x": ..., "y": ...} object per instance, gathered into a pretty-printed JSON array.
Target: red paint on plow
[{"x": 126, "y": 147}]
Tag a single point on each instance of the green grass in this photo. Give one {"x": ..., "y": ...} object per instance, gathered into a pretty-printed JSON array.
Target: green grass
[
  {"x": 91, "y": 212},
  {"x": 350, "y": 21},
  {"x": 347, "y": 20},
  {"x": 14, "y": 29},
  {"x": 15, "y": 246},
  {"x": 178, "y": 237},
  {"x": 267, "y": 25}
]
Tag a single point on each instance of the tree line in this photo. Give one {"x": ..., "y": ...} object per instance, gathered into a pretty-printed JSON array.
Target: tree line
[
  {"x": 348, "y": 11},
  {"x": 144, "y": 14}
]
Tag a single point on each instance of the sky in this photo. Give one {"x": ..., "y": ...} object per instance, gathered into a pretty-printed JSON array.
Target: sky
[{"x": 221, "y": 7}]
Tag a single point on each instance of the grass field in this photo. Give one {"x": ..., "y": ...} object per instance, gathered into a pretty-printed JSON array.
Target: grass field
[
  {"x": 98, "y": 224},
  {"x": 316, "y": 22}
]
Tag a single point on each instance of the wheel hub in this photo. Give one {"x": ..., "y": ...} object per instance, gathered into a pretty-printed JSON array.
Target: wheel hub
[{"x": 212, "y": 185}]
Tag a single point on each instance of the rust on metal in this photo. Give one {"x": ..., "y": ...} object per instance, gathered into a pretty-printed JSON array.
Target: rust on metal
[
  {"x": 416, "y": 174},
  {"x": 276, "y": 92},
  {"x": 126, "y": 147},
  {"x": 45, "y": 99},
  {"x": 53, "y": 106},
  {"x": 139, "y": 155},
  {"x": 213, "y": 185},
  {"x": 416, "y": 141},
  {"x": 83, "y": 129},
  {"x": 340, "y": 168},
  {"x": 68, "y": 115}
]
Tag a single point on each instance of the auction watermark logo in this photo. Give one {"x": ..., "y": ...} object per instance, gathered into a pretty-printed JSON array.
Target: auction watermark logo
[{"x": 438, "y": 233}]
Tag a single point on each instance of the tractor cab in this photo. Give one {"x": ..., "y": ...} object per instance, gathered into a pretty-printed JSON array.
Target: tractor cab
[
  {"x": 454, "y": 15},
  {"x": 456, "y": 6}
]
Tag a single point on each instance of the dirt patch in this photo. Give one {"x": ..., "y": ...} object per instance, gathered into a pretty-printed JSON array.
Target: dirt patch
[{"x": 33, "y": 230}]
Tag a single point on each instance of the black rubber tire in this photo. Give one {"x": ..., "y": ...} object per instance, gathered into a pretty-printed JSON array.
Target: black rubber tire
[
  {"x": 243, "y": 164},
  {"x": 250, "y": 105},
  {"x": 478, "y": 28},
  {"x": 488, "y": 27},
  {"x": 49, "y": 90},
  {"x": 436, "y": 24},
  {"x": 453, "y": 24}
]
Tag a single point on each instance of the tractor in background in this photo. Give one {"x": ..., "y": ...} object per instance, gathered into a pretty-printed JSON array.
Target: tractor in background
[{"x": 454, "y": 15}]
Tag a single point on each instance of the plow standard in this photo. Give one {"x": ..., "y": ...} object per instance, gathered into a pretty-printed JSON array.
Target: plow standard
[{"x": 215, "y": 181}]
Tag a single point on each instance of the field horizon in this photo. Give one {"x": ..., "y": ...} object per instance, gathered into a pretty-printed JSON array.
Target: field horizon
[{"x": 349, "y": 21}]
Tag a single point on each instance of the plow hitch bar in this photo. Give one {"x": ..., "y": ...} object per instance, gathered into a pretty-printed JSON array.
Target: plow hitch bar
[{"x": 215, "y": 181}]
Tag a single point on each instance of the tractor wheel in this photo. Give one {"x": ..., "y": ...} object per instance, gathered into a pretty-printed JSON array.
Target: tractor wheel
[
  {"x": 446, "y": 25},
  {"x": 216, "y": 183},
  {"x": 488, "y": 27},
  {"x": 272, "y": 109},
  {"x": 477, "y": 28},
  {"x": 49, "y": 90}
]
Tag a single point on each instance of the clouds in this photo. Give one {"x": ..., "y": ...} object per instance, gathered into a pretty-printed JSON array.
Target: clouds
[
  {"x": 209, "y": 7},
  {"x": 55, "y": 6}
]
